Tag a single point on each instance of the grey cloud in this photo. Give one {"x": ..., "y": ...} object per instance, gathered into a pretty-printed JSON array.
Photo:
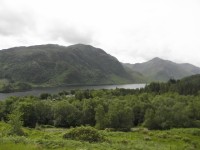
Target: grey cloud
[
  {"x": 13, "y": 22},
  {"x": 149, "y": 53},
  {"x": 71, "y": 34}
]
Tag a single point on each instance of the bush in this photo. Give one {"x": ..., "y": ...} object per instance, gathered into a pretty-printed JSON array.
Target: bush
[
  {"x": 84, "y": 133},
  {"x": 45, "y": 95},
  {"x": 19, "y": 139},
  {"x": 186, "y": 139},
  {"x": 50, "y": 144},
  {"x": 195, "y": 132},
  {"x": 16, "y": 123}
]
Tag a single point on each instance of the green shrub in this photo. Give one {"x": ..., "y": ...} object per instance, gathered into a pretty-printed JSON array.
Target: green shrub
[
  {"x": 147, "y": 138},
  {"x": 109, "y": 129},
  {"x": 45, "y": 95},
  {"x": 195, "y": 132},
  {"x": 163, "y": 135},
  {"x": 16, "y": 123},
  {"x": 50, "y": 144},
  {"x": 19, "y": 139},
  {"x": 84, "y": 133},
  {"x": 177, "y": 137},
  {"x": 186, "y": 139}
]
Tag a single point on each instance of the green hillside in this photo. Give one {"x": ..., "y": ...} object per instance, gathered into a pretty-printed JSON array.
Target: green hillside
[
  {"x": 53, "y": 65},
  {"x": 162, "y": 70},
  {"x": 186, "y": 86}
]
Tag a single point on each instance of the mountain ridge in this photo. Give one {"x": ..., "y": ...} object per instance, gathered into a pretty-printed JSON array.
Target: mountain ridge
[
  {"x": 80, "y": 64},
  {"x": 158, "y": 69},
  {"x": 54, "y": 65}
]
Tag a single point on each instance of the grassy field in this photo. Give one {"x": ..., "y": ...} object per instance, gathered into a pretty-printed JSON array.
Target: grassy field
[{"x": 137, "y": 139}]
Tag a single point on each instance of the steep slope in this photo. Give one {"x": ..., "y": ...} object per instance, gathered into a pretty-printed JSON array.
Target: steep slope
[
  {"x": 51, "y": 65},
  {"x": 186, "y": 86},
  {"x": 137, "y": 76},
  {"x": 194, "y": 79},
  {"x": 162, "y": 70}
]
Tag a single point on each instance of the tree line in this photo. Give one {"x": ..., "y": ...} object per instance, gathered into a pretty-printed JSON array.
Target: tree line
[{"x": 118, "y": 109}]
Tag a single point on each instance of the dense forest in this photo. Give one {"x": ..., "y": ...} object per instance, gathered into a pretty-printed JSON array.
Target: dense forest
[
  {"x": 174, "y": 104},
  {"x": 160, "y": 116}
]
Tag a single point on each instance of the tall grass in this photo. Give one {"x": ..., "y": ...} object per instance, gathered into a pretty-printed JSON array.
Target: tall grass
[{"x": 137, "y": 139}]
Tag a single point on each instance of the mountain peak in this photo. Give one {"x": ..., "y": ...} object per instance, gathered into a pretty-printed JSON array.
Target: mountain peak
[
  {"x": 156, "y": 59},
  {"x": 80, "y": 45},
  {"x": 158, "y": 69},
  {"x": 53, "y": 64}
]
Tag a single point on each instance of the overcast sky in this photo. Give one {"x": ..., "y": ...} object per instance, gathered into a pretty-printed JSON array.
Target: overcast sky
[{"x": 131, "y": 30}]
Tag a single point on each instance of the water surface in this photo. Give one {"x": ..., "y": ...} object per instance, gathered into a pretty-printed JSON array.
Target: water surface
[{"x": 53, "y": 90}]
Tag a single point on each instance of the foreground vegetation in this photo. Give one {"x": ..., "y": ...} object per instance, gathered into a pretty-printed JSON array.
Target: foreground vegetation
[
  {"x": 116, "y": 109},
  {"x": 159, "y": 116},
  {"x": 138, "y": 139}
]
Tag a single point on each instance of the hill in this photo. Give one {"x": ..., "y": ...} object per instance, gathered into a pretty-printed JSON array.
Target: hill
[
  {"x": 162, "y": 70},
  {"x": 186, "y": 86},
  {"x": 52, "y": 65},
  {"x": 189, "y": 85}
]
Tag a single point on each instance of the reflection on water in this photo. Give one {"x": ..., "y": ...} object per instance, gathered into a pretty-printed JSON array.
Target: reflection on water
[{"x": 53, "y": 90}]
